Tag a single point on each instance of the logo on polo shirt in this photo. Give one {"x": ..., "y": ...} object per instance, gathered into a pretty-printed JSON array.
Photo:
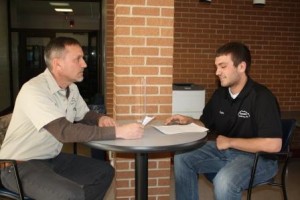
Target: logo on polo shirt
[
  {"x": 243, "y": 114},
  {"x": 73, "y": 101}
]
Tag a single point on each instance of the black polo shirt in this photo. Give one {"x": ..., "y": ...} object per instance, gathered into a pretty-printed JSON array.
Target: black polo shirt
[{"x": 253, "y": 113}]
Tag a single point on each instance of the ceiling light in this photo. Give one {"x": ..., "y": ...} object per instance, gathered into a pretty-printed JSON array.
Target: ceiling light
[
  {"x": 259, "y": 2},
  {"x": 58, "y": 4},
  {"x": 63, "y": 9}
]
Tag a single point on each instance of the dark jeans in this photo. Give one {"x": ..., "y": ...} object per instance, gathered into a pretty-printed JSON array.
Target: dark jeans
[{"x": 66, "y": 176}]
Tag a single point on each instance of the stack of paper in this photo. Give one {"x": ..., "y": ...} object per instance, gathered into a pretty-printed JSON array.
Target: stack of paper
[{"x": 174, "y": 129}]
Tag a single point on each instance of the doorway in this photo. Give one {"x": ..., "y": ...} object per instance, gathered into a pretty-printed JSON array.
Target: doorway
[
  {"x": 34, "y": 23},
  {"x": 31, "y": 50}
]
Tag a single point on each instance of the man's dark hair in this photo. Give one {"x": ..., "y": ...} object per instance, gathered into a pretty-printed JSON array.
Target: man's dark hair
[
  {"x": 239, "y": 53},
  {"x": 56, "y": 47}
]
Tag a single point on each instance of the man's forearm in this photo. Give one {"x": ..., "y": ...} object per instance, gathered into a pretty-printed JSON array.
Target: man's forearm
[
  {"x": 65, "y": 131},
  {"x": 91, "y": 118}
]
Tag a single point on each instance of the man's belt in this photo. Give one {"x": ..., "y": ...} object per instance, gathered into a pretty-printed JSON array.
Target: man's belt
[{"x": 8, "y": 164}]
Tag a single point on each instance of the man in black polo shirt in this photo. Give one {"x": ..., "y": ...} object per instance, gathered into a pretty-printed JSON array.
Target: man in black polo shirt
[{"x": 245, "y": 117}]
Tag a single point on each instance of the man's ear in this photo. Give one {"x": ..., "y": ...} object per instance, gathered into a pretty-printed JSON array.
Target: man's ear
[
  {"x": 242, "y": 67},
  {"x": 56, "y": 64}
]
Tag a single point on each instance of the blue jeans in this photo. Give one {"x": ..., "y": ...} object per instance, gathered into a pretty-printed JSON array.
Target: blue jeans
[
  {"x": 65, "y": 177},
  {"x": 232, "y": 168}
]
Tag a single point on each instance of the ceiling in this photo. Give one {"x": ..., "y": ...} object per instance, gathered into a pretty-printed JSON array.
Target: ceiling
[{"x": 42, "y": 7}]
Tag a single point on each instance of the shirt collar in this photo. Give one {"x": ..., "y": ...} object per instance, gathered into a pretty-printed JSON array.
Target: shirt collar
[
  {"x": 244, "y": 92},
  {"x": 247, "y": 88},
  {"x": 53, "y": 86}
]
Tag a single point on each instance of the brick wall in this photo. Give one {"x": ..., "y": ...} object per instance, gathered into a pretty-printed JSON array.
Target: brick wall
[
  {"x": 109, "y": 56},
  {"x": 158, "y": 171},
  {"x": 272, "y": 32},
  {"x": 143, "y": 56},
  {"x": 139, "y": 45},
  {"x": 141, "y": 67}
]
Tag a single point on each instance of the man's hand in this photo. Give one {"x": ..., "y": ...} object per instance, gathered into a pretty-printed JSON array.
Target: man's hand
[
  {"x": 130, "y": 131},
  {"x": 178, "y": 119},
  {"x": 223, "y": 142},
  {"x": 105, "y": 121},
  {"x": 181, "y": 119}
]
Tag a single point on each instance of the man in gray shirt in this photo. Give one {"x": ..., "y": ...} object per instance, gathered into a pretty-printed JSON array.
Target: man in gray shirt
[{"x": 43, "y": 119}]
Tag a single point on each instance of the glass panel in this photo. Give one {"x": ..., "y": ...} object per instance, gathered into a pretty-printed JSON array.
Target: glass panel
[
  {"x": 34, "y": 53},
  {"x": 35, "y": 22}
]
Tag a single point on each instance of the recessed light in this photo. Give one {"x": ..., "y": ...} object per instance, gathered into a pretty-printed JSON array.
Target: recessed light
[
  {"x": 58, "y": 4},
  {"x": 63, "y": 9}
]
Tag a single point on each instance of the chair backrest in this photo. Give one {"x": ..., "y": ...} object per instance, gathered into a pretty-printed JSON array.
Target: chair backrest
[
  {"x": 288, "y": 126},
  {"x": 4, "y": 122}
]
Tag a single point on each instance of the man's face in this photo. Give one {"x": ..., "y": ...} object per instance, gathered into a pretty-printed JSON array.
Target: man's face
[
  {"x": 72, "y": 64},
  {"x": 228, "y": 74}
]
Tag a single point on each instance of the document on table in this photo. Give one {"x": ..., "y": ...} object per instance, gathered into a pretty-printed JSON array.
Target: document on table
[
  {"x": 174, "y": 129},
  {"x": 146, "y": 120}
]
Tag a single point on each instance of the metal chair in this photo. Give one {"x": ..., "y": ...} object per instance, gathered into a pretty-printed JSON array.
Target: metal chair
[
  {"x": 4, "y": 122},
  {"x": 7, "y": 193},
  {"x": 288, "y": 126}
]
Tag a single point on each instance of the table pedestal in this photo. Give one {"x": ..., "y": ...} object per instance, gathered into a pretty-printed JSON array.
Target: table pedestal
[{"x": 141, "y": 176}]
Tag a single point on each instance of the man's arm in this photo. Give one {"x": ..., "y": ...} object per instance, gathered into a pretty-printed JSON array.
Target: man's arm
[
  {"x": 65, "y": 131},
  {"x": 91, "y": 118},
  {"x": 252, "y": 145},
  {"x": 92, "y": 127},
  {"x": 181, "y": 119}
]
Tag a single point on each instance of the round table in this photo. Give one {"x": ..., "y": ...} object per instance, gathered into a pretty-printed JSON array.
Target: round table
[{"x": 152, "y": 141}]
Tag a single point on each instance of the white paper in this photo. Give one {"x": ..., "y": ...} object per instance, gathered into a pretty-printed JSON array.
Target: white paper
[
  {"x": 175, "y": 129},
  {"x": 146, "y": 120}
]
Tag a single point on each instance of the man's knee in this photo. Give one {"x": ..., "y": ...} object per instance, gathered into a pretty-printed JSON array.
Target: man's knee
[
  {"x": 69, "y": 193},
  {"x": 76, "y": 195},
  {"x": 106, "y": 172},
  {"x": 179, "y": 161},
  {"x": 225, "y": 183}
]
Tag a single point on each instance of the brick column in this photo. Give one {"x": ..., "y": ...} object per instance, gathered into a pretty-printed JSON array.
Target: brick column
[{"x": 143, "y": 67}]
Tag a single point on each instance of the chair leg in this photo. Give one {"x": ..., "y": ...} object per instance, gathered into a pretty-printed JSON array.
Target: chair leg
[
  {"x": 283, "y": 185},
  {"x": 284, "y": 193},
  {"x": 249, "y": 193},
  {"x": 252, "y": 177}
]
